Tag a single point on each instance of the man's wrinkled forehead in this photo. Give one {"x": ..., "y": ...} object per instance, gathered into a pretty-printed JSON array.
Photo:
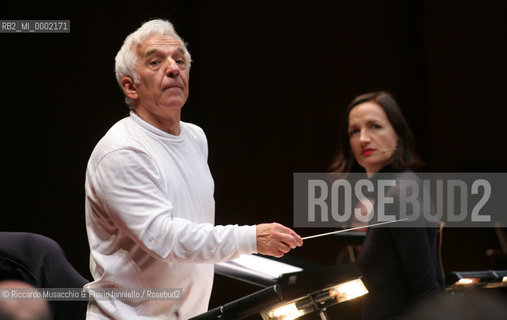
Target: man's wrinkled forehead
[{"x": 152, "y": 44}]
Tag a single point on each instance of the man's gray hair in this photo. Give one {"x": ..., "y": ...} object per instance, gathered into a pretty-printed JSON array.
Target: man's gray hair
[{"x": 126, "y": 58}]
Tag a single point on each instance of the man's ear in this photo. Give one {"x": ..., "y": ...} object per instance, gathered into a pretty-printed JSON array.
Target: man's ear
[{"x": 129, "y": 87}]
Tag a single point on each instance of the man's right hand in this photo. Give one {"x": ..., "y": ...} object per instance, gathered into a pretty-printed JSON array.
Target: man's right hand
[{"x": 276, "y": 240}]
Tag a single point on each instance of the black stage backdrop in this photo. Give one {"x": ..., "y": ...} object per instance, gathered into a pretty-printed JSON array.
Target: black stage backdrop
[{"x": 268, "y": 84}]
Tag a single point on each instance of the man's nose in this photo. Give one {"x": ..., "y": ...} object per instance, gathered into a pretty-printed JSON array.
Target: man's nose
[{"x": 173, "y": 69}]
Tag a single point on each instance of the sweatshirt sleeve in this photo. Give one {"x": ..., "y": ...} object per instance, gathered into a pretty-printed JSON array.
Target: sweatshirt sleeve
[{"x": 125, "y": 192}]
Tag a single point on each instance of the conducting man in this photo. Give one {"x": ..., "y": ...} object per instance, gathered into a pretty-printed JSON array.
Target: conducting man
[{"x": 149, "y": 192}]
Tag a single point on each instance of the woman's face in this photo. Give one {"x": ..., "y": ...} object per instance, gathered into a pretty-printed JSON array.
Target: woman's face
[{"x": 371, "y": 136}]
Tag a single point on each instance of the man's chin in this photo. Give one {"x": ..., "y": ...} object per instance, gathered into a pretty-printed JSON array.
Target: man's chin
[
  {"x": 173, "y": 105},
  {"x": 173, "y": 101}
]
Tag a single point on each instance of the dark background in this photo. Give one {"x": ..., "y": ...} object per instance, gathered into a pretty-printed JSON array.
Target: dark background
[{"x": 268, "y": 84}]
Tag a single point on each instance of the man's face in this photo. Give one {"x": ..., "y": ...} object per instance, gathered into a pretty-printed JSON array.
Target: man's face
[{"x": 163, "y": 77}]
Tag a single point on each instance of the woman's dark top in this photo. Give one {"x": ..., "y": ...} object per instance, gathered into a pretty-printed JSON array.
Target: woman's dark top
[{"x": 399, "y": 265}]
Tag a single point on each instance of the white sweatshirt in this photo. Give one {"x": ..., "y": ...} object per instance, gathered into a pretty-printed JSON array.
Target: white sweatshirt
[{"x": 150, "y": 220}]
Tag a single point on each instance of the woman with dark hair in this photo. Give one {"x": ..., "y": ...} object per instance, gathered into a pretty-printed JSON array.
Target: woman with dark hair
[
  {"x": 403, "y": 156},
  {"x": 399, "y": 264}
]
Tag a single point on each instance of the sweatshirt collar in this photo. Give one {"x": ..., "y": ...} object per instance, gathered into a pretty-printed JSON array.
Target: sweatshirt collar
[{"x": 157, "y": 132}]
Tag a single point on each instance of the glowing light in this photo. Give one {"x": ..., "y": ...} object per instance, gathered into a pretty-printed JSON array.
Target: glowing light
[
  {"x": 467, "y": 281},
  {"x": 348, "y": 290},
  {"x": 315, "y": 301},
  {"x": 284, "y": 312}
]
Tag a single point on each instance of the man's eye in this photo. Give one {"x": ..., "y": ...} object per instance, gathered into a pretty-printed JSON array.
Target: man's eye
[
  {"x": 180, "y": 61},
  {"x": 155, "y": 63},
  {"x": 376, "y": 126}
]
